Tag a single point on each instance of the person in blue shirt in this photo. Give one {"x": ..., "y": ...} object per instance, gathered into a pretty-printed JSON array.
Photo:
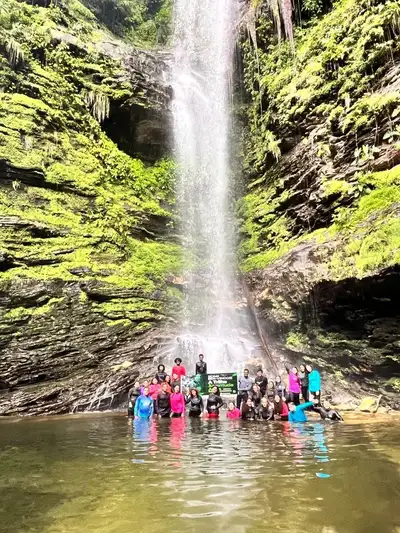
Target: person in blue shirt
[
  {"x": 296, "y": 412},
  {"x": 144, "y": 407},
  {"x": 314, "y": 383}
]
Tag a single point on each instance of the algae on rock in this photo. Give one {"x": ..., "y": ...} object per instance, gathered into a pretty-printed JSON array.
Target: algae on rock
[
  {"x": 322, "y": 207},
  {"x": 87, "y": 249}
]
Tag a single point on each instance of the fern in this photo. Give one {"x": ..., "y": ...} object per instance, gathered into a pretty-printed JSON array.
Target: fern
[
  {"x": 99, "y": 104},
  {"x": 14, "y": 51}
]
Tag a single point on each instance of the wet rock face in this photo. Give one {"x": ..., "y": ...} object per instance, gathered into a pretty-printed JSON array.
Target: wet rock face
[
  {"x": 320, "y": 220},
  {"x": 87, "y": 245},
  {"x": 349, "y": 328},
  {"x": 141, "y": 128},
  {"x": 59, "y": 355}
]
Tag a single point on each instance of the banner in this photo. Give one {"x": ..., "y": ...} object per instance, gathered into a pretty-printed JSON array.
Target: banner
[{"x": 226, "y": 382}]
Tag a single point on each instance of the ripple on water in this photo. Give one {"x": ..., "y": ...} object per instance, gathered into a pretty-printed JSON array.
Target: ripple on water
[{"x": 63, "y": 476}]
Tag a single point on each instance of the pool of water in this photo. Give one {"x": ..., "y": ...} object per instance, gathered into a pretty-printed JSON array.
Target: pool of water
[{"x": 106, "y": 474}]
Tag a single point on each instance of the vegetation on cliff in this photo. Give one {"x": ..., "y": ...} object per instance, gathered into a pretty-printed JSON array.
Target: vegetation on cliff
[
  {"x": 320, "y": 220},
  {"x": 324, "y": 133},
  {"x": 86, "y": 229}
]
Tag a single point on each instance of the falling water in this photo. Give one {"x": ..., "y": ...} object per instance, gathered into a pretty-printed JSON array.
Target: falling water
[{"x": 205, "y": 35}]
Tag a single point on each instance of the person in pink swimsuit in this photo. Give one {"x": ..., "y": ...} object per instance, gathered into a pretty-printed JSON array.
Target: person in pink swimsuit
[
  {"x": 233, "y": 413},
  {"x": 177, "y": 402},
  {"x": 294, "y": 385}
]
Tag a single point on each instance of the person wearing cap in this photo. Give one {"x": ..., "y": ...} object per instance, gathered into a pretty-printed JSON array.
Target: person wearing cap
[{"x": 178, "y": 369}]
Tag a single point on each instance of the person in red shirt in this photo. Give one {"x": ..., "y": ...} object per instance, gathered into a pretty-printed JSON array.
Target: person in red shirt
[
  {"x": 154, "y": 389},
  {"x": 281, "y": 409},
  {"x": 178, "y": 369}
]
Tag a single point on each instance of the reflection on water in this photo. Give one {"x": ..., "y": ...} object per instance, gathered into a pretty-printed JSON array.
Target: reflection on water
[{"x": 105, "y": 474}]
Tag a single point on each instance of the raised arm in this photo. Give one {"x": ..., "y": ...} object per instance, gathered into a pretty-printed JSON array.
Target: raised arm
[{"x": 304, "y": 406}]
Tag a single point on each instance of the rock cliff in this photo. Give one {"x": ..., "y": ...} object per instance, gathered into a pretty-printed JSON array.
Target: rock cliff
[
  {"x": 87, "y": 246},
  {"x": 320, "y": 219},
  {"x": 89, "y": 255}
]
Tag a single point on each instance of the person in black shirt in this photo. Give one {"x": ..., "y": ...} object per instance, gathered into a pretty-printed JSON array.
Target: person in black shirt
[
  {"x": 161, "y": 374},
  {"x": 266, "y": 410},
  {"x": 256, "y": 396},
  {"x": 133, "y": 395},
  {"x": 214, "y": 403},
  {"x": 326, "y": 412},
  {"x": 163, "y": 402},
  {"x": 175, "y": 381},
  {"x": 201, "y": 365},
  {"x": 248, "y": 411},
  {"x": 262, "y": 381},
  {"x": 303, "y": 375},
  {"x": 280, "y": 388},
  {"x": 195, "y": 402}
]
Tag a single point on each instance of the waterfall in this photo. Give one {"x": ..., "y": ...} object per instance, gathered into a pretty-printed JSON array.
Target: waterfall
[{"x": 204, "y": 42}]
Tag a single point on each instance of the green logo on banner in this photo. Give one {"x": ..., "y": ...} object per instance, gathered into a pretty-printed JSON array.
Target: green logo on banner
[{"x": 226, "y": 382}]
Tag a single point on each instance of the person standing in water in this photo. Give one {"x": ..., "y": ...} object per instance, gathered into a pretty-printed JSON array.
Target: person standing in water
[
  {"x": 201, "y": 365},
  {"x": 233, "y": 413},
  {"x": 262, "y": 381},
  {"x": 177, "y": 402},
  {"x": 294, "y": 385},
  {"x": 214, "y": 403},
  {"x": 266, "y": 410},
  {"x": 248, "y": 410},
  {"x": 154, "y": 389},
  {"x": 280, "y": 388},
  {"x": 256, "y": 396},
  {"x": 133, "y": 395},
  {"x": 176, "y": 381},
  {"x": 161, "y": 374},
  {"x": 144, "y": 407},
  {"x": 163, "y": 402},
  {"x": 303, "y": 375},
  {"x": 178, "y": 368},
  {"x": 314, "y": 383},
  {"x": 195, "y": 403},
  {"x": 296, "y": 412},
  {"x": 244, "y": 386},
  {"x": 169, "y": 383}
]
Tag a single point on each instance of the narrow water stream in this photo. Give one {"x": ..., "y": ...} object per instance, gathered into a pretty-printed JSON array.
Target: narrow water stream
[{"x": 105, "y": 474}]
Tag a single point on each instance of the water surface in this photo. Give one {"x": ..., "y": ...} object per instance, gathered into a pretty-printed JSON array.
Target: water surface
[{"x": 105, "y": 474}]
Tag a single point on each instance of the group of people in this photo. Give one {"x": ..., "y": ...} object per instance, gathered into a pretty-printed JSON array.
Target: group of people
[{"x": 257, "y": 399}]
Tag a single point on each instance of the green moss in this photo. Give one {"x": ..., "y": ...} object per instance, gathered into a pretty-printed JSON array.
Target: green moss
[
  {"x": 394, "y": 383},
  {"x": 83, "y": 298},
  {"x": 368, "y": 234},
  {"x": 329, "y": 80},
  {"x": 296, "y": 340},
  {"x": 369, "y": 108},
  {"x": 50, "y": 108},
  {"x": 20, "y": 313},
  {"x": 333, "y": 187},
  {"x": 121, "y": 322}
]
